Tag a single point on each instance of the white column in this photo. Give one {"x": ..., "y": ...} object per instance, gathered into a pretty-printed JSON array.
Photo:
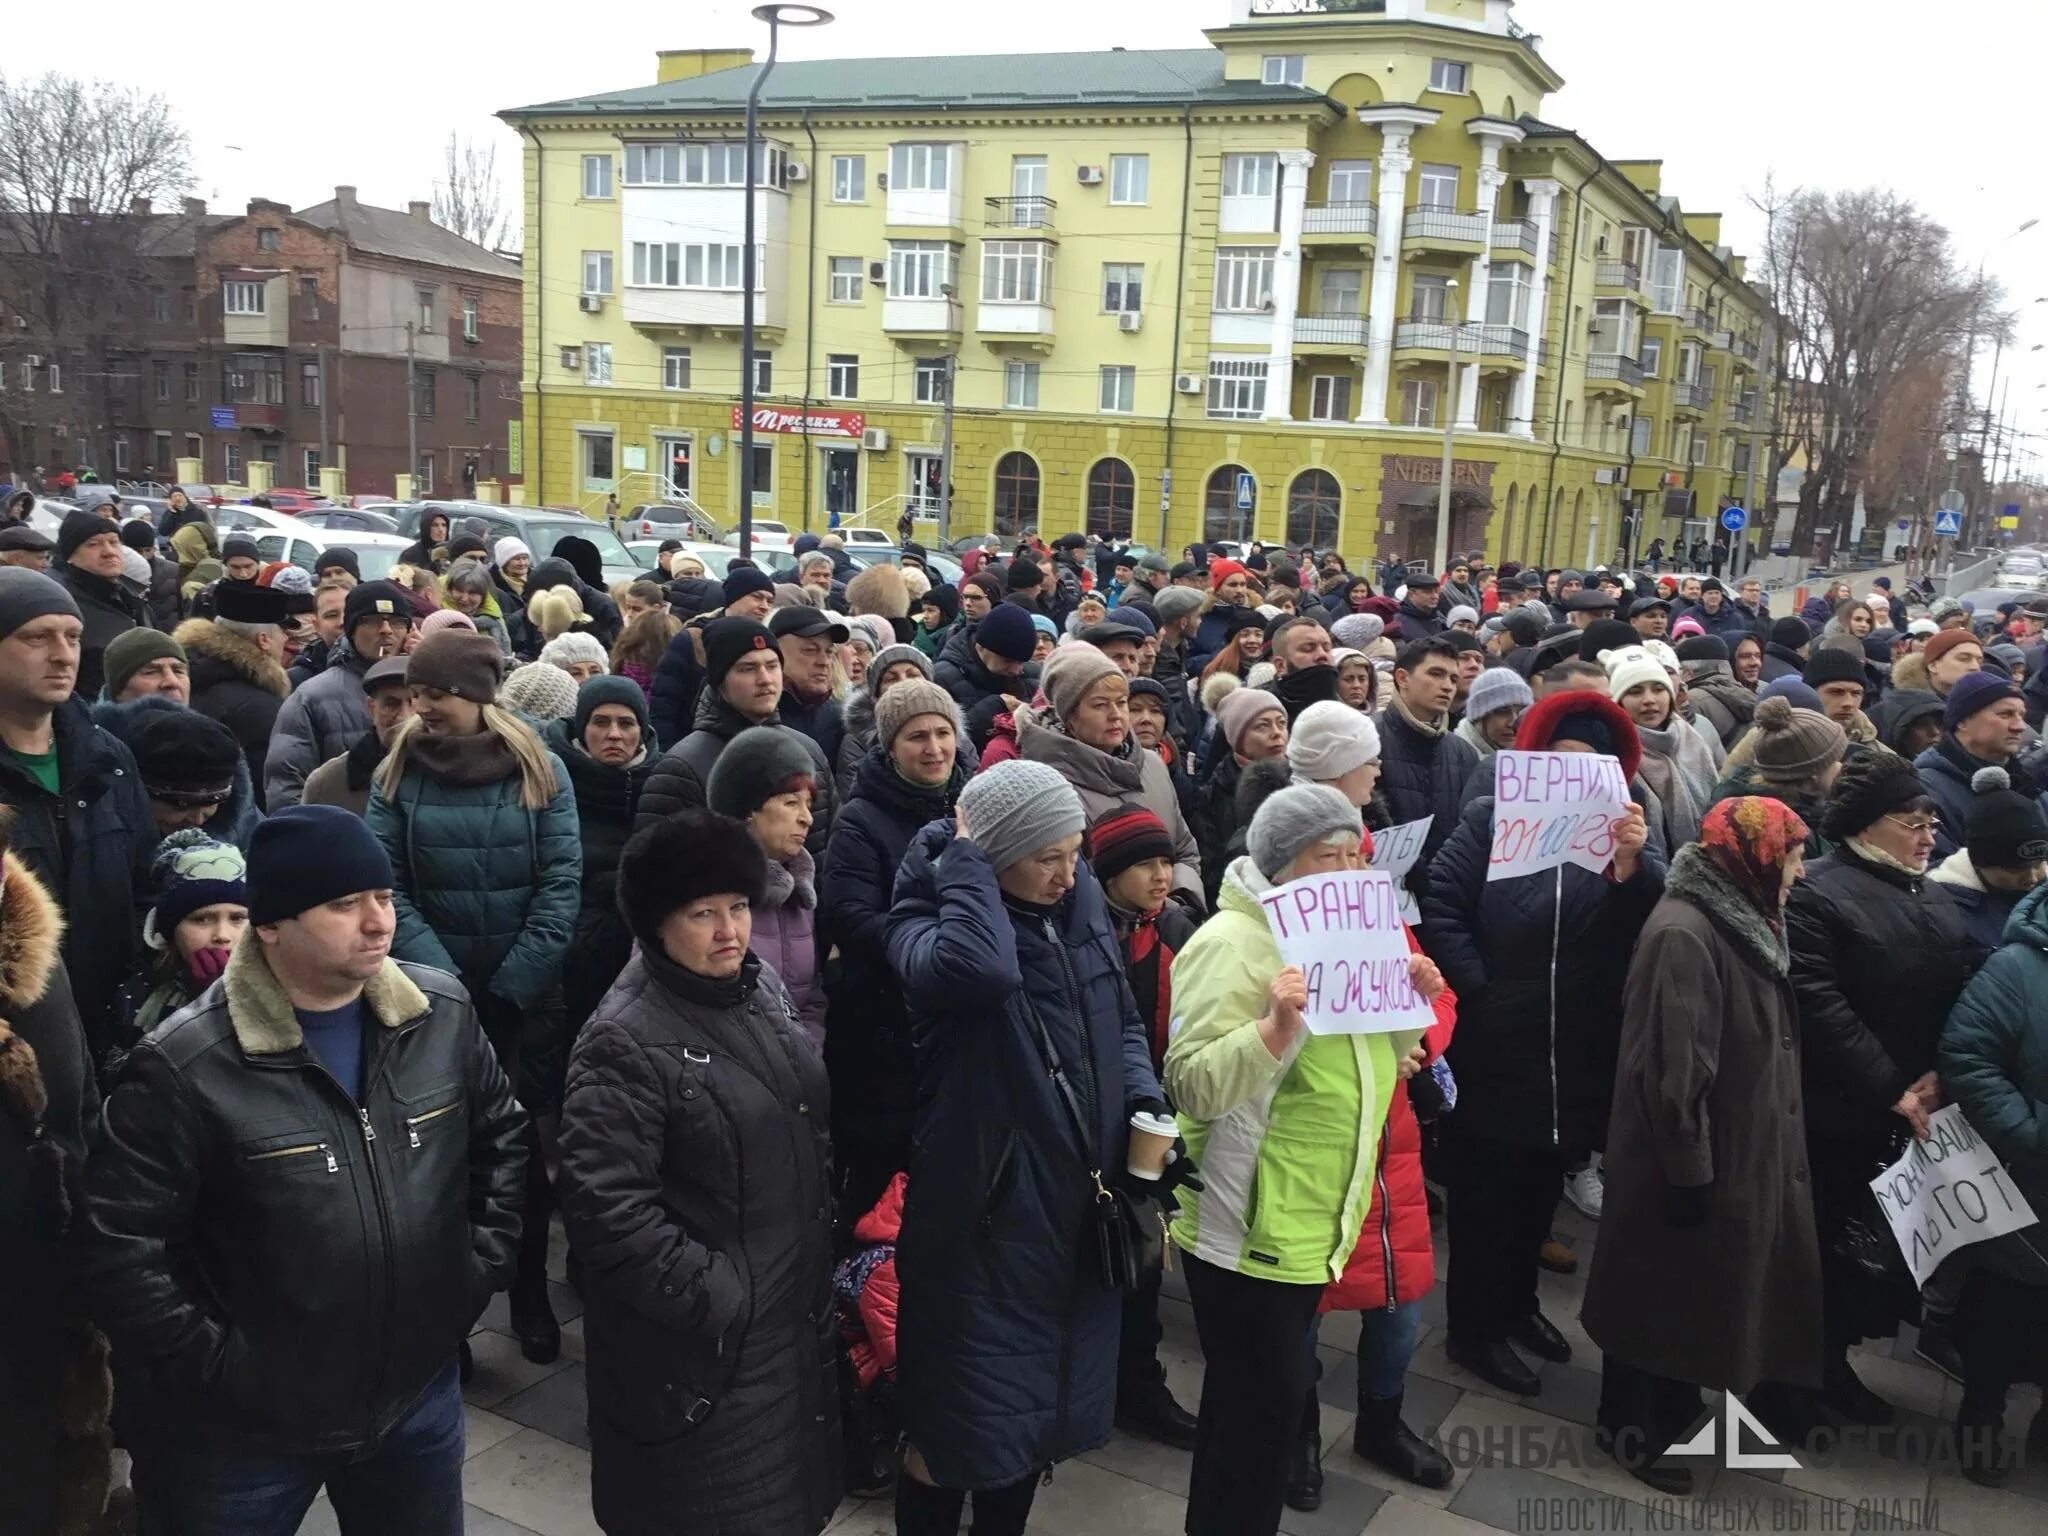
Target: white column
[
  {"x": 1491, "y": 179},
  {"x": 1392, "y": 175},
  {"x": 1522, "y": 403},
  {"x": 1294, "y": 168}
]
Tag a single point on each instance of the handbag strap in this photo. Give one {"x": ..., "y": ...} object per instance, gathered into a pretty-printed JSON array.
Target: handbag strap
[{"x": 1049, "y": 1055}]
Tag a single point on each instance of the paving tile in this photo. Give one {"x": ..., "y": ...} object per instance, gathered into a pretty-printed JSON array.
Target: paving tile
[
  {"x": 1519, "y": 1437},
  {"x": 501, "y": 1371},
  {"x": 481, "y": 1522},
  {"x": 1961, "y": 1507},
  {"x": 1401, "y": 1516},
  {"x": 556, "y": 1407},
  {"x": 1856, "y": 1476},
  {"x": 1430, "y": 1360},
  {"x": 320, "y": 1520},
  {"x": 1750, "y": 1501},
  {"x": 482, "y": 1429},
  {"x": 534, "y": 1481},
  {"x": 1517, "y": 1499},
  {"x": 1433, "y": 1313},
  {"x": 498, "y": 1315},
  {"x": 1904, "y": 1382},
  {"x": 1348, "y": 1503},
  {"x": 1089, "y": 1500},
  {"x": 1143, "y": 1460},
  {"x": 1571, "y": 1392}
]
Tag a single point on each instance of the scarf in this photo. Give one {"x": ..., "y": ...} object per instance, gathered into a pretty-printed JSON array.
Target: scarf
[
  {"x": 1870, "y": 853},
  {"x": 1748, "y": 841},
  {"x": 1311, "y": 685},
  {"x": 1148, "y": 962},
  {"x": 1468, "y": 731},
  {"x": 1967, "y": 763},
  {"x": 1424, "y": 727},
  {"x": 485, "y": 758},
  {"x": 361, "y": 760}
]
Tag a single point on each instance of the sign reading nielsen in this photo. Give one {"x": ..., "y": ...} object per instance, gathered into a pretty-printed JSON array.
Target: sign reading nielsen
[{"x": 817, "y": 423}]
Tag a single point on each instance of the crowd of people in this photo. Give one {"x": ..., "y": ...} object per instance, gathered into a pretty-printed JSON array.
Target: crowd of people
[{"x": 869, "y": 972}]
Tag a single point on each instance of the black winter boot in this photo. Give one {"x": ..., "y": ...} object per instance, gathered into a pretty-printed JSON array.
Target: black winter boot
[
  {"x": 1305, "y": 1467},
  {"x": 1383, "y": 1439},
  {"x": 1980, "y": 1440}
]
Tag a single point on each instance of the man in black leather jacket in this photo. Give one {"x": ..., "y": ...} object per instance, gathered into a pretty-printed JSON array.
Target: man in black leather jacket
[{"x": 306, "y": 1188}]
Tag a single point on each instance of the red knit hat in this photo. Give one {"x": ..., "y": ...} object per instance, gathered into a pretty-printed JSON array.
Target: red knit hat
[
  {"x": 1128, "y": 835},
  {"x": 1221, "y": 571},
  {"x": 1540, "y": 724}
]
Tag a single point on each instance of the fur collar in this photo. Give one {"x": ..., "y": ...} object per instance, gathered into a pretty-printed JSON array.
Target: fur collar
[
  {"x": 261, "y": 1014},
  {"x": 1695, "y": 881},
  {"x": 31, "y": 927},
  {"x": 792, "y": 882},
  {"x": 203, "y": 637},
  {"x": 1957, "y": 870}
]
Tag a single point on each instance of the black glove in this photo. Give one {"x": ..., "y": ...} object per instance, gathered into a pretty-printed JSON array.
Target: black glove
[
  {"x": 1181, "y": 1172},
  {"x": 1688, "y": 1206}
]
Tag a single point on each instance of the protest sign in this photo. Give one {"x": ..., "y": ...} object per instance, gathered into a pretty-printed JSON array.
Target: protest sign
[
  {"x": 1344, "y": 930},
  {"x": 1946, "y": 1192},
  {"x": 1552, "y": 808},
  {"x": 1394, "y": 852}
]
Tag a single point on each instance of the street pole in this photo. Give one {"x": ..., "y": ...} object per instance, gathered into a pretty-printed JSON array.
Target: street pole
[
  {"x": 1443, "y": 490},
  {"x": 412, "y": 413},
  {"x": 946, "y": 448}
]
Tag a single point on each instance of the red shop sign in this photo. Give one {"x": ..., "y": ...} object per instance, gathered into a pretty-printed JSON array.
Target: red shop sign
[{"x": 821, "y": 423}]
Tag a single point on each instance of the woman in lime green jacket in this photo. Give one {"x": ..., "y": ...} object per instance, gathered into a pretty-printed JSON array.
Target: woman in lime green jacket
[{"x": 1285, "y": 1126}]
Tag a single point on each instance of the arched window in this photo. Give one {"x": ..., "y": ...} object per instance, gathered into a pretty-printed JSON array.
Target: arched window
[
  {"x": 1507, "y": 524},
  {"x": 1112, "y": 498},
  {"x": 1221, "y": 518},
  {"x": 1016, "y": 494},
  {"x": 1313, "y": 504}
]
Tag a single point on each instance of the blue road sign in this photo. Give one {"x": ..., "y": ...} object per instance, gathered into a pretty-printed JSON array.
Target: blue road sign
[
  {"x": 222, "y": 418},
  {"x": 1247, "y": 490},
  {"x": 1734, "y": 519},
  {"x": 1948, "y": 523}
]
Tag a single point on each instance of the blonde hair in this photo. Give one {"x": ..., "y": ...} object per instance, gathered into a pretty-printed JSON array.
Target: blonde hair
[
  {"x": 537, "y": 785},
  {"x": 555, "y": 611}
]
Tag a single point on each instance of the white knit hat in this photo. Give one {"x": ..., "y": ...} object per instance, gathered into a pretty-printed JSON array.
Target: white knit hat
[
  {"x": 1628, "y": 667},
  {"x": 508, "y": 549},
  {"x": 565, "y": 651},
  {"x": 1330, "y": 739}
]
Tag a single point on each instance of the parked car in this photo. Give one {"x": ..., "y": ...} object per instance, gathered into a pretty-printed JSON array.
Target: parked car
[
  {"x": 857, "y": 536},
  {"x": 540, "y": 527},
  {"x": 667, "y": 520},
  {"x": 292, "y": 498},
  {"x": 717, "y": 558},
  {"x": 350, "y": 519},
  {"x": 367, "y": 500},
  {"x": 767, "y": 534}
]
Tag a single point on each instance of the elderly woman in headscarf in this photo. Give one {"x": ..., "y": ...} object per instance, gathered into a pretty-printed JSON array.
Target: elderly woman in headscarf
[
  {"x": 1677, "y": 765},
  {"x": 1709, "y": 1212}
]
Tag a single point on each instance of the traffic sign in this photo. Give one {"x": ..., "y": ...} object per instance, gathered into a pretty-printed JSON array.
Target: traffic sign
[
  {"x": 1904, "y": 524},
  {"x": 1734, "y": 519},
  {"x": 1247, "y": 490},
  {"x": 1951, "y": 501},
  {"x": 1948, "y": 523}
]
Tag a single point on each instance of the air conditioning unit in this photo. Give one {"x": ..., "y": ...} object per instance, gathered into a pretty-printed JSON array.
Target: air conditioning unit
[
  {"x": 795, "y": 171},
  {"x": 1088, "y": 175},
  {"x": 875, "y": 439},
  {"x": 572, "y": 358},
  {"x": 1600, "y": 246},
  {"x": 1129, "y": 322},
  {"x": 1188, "y": 383},
  {"x": 34, "y": 360},
  {"x": 882, "y": 180},
  {"x": 591, "y": 303},
  {"x": 878, "y": 271}
]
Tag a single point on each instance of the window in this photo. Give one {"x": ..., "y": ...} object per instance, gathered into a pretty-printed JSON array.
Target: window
[
  {"x": 842, "y": 376},
  {"x": 160, "y": 451},
  {"x": 849, "y": 178},
  {"x": 702, "y": 165},
  {"x": 160, "y": 307},
  {"x": 597, "y": 459},
  {"x": 1020, "y": 386},
  {"x": 597, "y": 175},
  {"x": 309, "y": 295},
  {"x": 241, "y": 298},
  {"x": 423, "y": 391},
  {"x": 1447, "y": 75},
  {"x": 1244, "y": 279},
  {"x": 670, "y": 265},
  {"x": 469, "y": 303},
  {"x": 309, "y": 381},
  {"x": 764, "y": 372},
  {"x": 845, "y": 280},
  {"x": 423, "y": 476},
  {"x": 1430, "y": 297},
  {"x": 121, "y": 453},
  {"x": 1130, "y": 179},
  {"x": 1016, "y": 499},
  {"x": 764, "y": 473},
  {"x": 926, "y": 473},
  {"x": 193, "y": 445},
  {"x": 1739, "y": 460},
  {"x": 1507, "y": 295},
  {"x": 1652, "y": 356},
  {"x": 252, "y": 378},
  {"x": 1350, "y": 181},
  {"x": 928, "y": 381},
  {"x": 1221, "y": 516},
  {"x": 660, "y": 265},
  {"x": 1697, "y": 452},
  {"x": 191, "y": 315},
  {"x": 1343, "y": 289},
  {"x": 161, "y": 373},
  {"x": 1708, "y": 378},
  {"x": 919, "y": 167},
  {"x": 1112, "y": 498},
  {"x": 597, "y": 271},
  {"x": 266, "y": 239},
  {"x": 472, "y": 396},
  {"x": 1250, "y": 175},
  {"x": 1329, "y": 397},
  {"x": 675, "y": 367},
  {"x": 191, "y": 389},
  {"x": 1439, "y": 186},
  {"x": 1314, "y": 503},
  {"x": 1123, "y": 287},
  {"x": 231, "y": 461},
  {"x": 1418, "y": 402},
  {"x": 1635, "y": 246},
  {"x": 1280, "y": 69},
  {"x": 1639, "y": 432},
  {"x": 1015, "y": 271},
  {"x": 28, "y": 376},
  {"x": 425, "y": 296},
  {"x": 1688, "y": 363},
  {"x": 1667, "y": 280},
  {"x": 1117, "y": 389},
  {"x": 1237, "y": 388},
  {"x": 919, "y": 269},
  {"x": 312, "y": 467},
  {"x": 597, "y": 364}
]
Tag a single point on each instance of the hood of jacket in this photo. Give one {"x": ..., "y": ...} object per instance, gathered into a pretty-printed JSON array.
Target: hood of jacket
[
  {"x": 31, "y": 927},
  {"x": 1909, "y": 675},
  {"x": 857, "y": 711},
  {"x": 260, "y": 1012},
  {"x": 1900, "y": 710},
  {"x": 601, "y": 785},
  {"x": 879, "y": 782},
  {"x": 2028, "y": 924},
  {"x": 225, "y": 656},
  {"x": 1087, "y": 768}
]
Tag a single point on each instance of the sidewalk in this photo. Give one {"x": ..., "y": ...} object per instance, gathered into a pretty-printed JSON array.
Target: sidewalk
[{"x": 528, "y": 1472}]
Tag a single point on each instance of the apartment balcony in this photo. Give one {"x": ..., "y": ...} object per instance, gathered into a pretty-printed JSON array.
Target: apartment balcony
[
  {"x": 1444, "y": 229},
  {"x": 1473, "y": 340},
  {"x": 1697, "y": 398},
  {"x": 1697, "y": 323},
  {"x": 1614, "y": 368},
  {"x": 713, "y": 309},
  {"x": 1743, "y": 411},
  {"x": 1623, "y": 277},
  {"x": 1747, "y": 349},
  {"x": 1341, "y": 223},
  {"x": 1032, "y": 216},
  {"x": 1517, "y": 236},
  {"x": 911, "y": 318},
  {"x": 1344, "y": 331},
  {"x": 998, "y": 321}
]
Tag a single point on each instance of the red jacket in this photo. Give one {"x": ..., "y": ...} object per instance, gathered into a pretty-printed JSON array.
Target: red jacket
[{"x": 868, "y": 1291}]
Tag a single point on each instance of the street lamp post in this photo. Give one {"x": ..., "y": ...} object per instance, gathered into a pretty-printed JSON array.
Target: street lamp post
[
  {"x": 777, "y": 16},
  {"x": 1443, "y": 490}
]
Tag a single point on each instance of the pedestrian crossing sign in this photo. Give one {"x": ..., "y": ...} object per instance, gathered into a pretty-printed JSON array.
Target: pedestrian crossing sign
[{"x": 1948, "y": 524}]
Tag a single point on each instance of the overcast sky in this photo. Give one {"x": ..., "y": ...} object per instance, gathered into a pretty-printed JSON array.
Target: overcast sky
[{"x": 1937, "y": 99}]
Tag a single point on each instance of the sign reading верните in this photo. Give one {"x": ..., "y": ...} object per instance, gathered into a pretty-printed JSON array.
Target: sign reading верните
[
  {"x": 1948, "y": 1191},
  {"x": 1552, "y": 808},
  {"x": 1344, "y": 930}
]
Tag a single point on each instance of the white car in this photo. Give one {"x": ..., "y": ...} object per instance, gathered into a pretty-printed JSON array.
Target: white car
[
  {"x": 855, "y": 537},
  {"x": 768, "y": 534}
]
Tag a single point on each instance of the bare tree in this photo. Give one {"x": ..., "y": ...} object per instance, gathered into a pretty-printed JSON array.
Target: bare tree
[
  {"x": 469, "y": 198},
  {"x": 80, "y": 165}
]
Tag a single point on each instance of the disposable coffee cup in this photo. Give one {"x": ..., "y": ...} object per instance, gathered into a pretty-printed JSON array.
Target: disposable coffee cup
[{"x": 1152, "y": 1138}]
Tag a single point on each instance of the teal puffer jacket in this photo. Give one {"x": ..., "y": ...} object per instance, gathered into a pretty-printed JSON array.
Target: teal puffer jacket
[
  {"x": 485, "y": 888},
  {"x": 1994, "y": 1063}
]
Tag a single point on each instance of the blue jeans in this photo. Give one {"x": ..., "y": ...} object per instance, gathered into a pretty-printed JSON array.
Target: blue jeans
[
  {"x": 1386, "y": 1343},
  {"x": 410, "y": 1482}
]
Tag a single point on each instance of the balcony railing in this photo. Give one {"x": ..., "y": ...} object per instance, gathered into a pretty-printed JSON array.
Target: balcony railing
[
  {"x": 1743, "y": 410},
  {"x": 1696, "y": 397},
  {"x": 1616, "y": 366},
  {"x": 1619, "y": 274},
  {"x": 1330, "y": 330},
  {"x": 1030, "y": 213},
  {"x": 1426, "y": 222},
  {"x": 1427, "y": 335},
  {"x": 1698, "y": 320},
  {"x": 1340, "y": 219},
  {"x": 1746, "y": 347},
  {"x": 1516, "y": 235}
]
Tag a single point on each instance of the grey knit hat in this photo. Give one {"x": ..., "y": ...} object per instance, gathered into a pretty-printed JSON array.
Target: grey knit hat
[
  {"x": 567, "y": 650},
  {"x": 889, "y": 655},
  {"x": 540, "y": 691},
  {"x": 1175, "y": 603},
  {"x": 1497, "y": 688},
  {"x": 1358, "y": 630},
  {"x": 1070, "y": 672},
  {"x": 1292, "y": 820},
  {"x": 904, "y": 701},
  {"x": 1018, "y": 807}
]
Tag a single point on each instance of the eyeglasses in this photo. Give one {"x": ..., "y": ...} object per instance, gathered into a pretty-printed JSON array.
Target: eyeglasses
[{"x": 1918, "y": 828}]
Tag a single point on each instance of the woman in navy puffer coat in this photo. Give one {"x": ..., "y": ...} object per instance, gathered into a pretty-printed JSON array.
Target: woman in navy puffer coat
[{"x": 1007, "y": 1344}]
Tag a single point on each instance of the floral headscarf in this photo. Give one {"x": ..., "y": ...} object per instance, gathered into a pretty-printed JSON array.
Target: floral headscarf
[{"x": 1748, "y": 840}]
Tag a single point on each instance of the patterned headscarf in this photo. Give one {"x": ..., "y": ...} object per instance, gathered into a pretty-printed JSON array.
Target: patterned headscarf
[{"x": 1748, "y": 840}]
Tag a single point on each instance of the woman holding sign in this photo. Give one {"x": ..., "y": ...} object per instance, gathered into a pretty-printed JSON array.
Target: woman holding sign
[{"x": 1294, "y": 1119}]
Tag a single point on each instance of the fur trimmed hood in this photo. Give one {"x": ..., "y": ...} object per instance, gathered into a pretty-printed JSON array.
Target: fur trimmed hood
[
  {"x": 261, "y": 1014},
  {"x": 31, "y": 929},
  {"x": 202, "y": 638},
  {"x": 1694, "y": 879}
]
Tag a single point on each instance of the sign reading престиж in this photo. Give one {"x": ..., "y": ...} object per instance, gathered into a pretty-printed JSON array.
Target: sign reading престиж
[
  {"x": 1948, "y": 1191},
  {"x": 1344, "y": 930},
  {"x": 1552, "y": 808}
]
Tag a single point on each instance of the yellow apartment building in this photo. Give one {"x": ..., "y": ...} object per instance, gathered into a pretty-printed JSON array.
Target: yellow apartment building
[{"x": 1172, "y": 294}]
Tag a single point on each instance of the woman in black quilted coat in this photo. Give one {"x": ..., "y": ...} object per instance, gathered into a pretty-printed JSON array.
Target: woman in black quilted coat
[{"x": 695, "y": 1189}]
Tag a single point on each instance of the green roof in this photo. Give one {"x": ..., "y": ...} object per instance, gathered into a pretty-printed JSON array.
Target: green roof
[{"x": 1119, "y": 77}]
